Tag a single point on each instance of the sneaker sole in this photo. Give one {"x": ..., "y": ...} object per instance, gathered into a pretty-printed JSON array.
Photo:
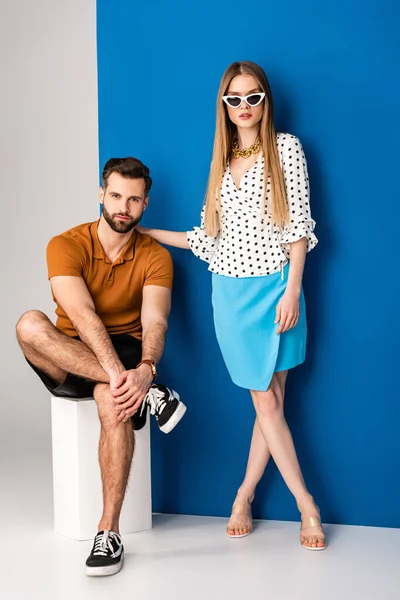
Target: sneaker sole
[
  {"x": 105, "y": 571},
  {"x": 174, "y": 420}
]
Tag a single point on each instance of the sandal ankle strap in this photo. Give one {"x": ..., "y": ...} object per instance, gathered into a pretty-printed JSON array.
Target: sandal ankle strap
[
  {"x": 307, "y": 522},
  {"x": 240, "y": 508}
]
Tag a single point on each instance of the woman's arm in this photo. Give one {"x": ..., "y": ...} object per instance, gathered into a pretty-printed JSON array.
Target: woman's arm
[
  {"x": 196, "y": 240},
  {"x": 178, "y": 239},
  {"x": 298, "y": 235},
  {"x": 288, "y": 309},
  {"x": 298, "y": 251}
]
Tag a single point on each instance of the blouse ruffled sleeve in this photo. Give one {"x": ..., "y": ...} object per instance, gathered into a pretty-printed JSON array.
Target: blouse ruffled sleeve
[
  {"x": 298, "y": 194},
  {"x": 201, "y": 244}
]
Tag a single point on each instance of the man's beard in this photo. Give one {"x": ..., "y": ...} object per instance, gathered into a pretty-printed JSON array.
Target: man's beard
[{"x": 120, "y": 226}]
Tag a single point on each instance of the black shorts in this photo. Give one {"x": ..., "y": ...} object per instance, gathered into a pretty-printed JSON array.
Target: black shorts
[{"x": 129, "y": 350}]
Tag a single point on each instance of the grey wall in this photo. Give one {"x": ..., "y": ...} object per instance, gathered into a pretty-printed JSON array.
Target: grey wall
[{"x": 49, "y": 177}]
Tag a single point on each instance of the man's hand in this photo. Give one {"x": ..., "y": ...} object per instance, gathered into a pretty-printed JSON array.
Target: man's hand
[{"x": 129, "y": 390}]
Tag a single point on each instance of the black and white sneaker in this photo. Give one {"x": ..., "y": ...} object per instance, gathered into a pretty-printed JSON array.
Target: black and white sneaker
[
  {"x": 107, "y": 555},
  {"x": 164, "y": 404}
]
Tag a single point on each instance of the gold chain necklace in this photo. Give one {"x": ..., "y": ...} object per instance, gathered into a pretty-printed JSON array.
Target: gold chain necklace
[{"x": 246, "y": 152}]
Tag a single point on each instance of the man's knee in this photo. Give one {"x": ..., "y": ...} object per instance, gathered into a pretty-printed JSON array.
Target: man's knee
[
  {"x": 105, "y": 406},
  {"x": 101, "y": 392},
  {"x": 30, "y": 325}
]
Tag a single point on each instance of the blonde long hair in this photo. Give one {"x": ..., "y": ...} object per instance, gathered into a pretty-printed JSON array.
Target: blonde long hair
[{"x": 224, "y": 136}]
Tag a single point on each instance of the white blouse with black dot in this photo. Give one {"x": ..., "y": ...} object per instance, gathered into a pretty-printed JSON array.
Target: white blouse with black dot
[{"x": 248, "y": 246}]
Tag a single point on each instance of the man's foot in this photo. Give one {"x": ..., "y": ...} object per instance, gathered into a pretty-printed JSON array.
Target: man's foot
[
  {"x": 107, "y": 555},
  {"x": 164, "y": 404},
  {"x": 312, "y": 535},
  {"x": 241, "y": 523}
]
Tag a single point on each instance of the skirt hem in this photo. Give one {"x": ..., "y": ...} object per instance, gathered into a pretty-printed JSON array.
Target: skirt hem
[{"x": 262, "y": 387}]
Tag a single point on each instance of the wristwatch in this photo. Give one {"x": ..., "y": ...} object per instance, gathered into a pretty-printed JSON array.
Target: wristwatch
[{"x": 151, "y": 364}]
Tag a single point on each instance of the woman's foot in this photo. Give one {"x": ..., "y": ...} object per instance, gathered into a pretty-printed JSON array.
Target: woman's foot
[
  {"x": 312, "y": 535},
  {"x": 241, "y": 523}
]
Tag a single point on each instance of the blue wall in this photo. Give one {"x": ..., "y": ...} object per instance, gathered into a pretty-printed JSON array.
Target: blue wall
[{"x": 332, "y": 70}]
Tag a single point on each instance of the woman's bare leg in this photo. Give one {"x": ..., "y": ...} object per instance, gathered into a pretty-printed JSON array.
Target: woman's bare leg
[
  {"x": 240, "y": 521},
  {"x": 259, "y": 455},
  {"x": 270, "y": 416}
]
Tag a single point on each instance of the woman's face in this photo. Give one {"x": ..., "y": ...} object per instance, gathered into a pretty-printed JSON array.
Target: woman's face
[{"x": 245, "y": 116}]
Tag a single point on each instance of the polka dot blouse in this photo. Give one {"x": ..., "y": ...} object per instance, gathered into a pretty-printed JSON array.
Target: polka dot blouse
[{"x": 248, "y": 246}]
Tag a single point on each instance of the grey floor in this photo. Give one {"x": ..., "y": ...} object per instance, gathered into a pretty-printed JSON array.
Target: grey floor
[{"x": 185, "y": 557}]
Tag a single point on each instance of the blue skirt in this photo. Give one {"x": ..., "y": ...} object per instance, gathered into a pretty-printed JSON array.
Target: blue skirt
[{"x": 244, "y": 315}]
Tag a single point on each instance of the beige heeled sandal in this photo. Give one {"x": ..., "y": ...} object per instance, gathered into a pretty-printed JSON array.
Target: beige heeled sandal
[
  {"x": 310, "y": 523},
  {"x": 240, "y": 509}
]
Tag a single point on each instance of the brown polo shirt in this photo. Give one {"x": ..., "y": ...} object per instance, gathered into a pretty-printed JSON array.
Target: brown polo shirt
[{"x": 116, "y": 288}]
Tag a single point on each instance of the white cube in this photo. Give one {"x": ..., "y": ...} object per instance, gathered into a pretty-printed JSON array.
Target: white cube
[{"x": 77, "y": 485}]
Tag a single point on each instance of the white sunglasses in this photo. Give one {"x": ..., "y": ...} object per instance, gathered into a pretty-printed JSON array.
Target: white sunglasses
[{"x": 251, "y": 100}]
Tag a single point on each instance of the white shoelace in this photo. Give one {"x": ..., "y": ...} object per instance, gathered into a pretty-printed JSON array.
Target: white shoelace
[
  {"x": 156, "y": 400},
  {"x": 103, "y": 543}
]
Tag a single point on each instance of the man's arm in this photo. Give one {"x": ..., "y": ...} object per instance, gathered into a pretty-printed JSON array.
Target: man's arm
[
  {"x": 133, "y": 385},
  {"x": 74, "y": 297},
  {"x": 156, "y": 307}
]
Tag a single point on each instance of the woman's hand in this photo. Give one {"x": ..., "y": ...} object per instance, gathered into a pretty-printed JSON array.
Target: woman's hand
[
  {"x": 141, "y": 229},
  {"x": 287, "y": 311},
  {"x": 178, "y": 239}
]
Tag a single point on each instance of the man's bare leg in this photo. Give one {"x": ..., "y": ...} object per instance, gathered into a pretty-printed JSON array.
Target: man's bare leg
[
  {"x": 115, "y": 456},
  {"x": 55, "y": 353}
]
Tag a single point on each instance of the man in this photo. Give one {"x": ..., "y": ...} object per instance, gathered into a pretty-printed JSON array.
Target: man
[{"x": 112, "y": 287}]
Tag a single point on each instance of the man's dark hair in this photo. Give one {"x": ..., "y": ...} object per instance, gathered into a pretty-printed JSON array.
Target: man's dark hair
[{"x": 131, "y": 168}]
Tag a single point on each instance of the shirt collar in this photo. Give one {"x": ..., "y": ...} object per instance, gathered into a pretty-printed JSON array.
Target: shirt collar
[{"x": 98, "y": 252}]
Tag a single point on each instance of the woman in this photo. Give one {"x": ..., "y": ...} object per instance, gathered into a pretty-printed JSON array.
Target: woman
[{"x": 255, "y": 230}]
